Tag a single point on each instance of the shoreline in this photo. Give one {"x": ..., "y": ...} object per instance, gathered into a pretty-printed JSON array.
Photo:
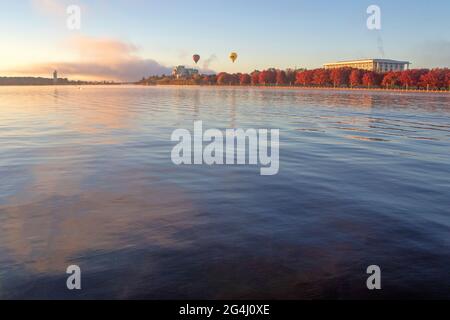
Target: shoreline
[
  {"x": 61, "y": 85},
  {"x": 241, "y": 87},
  {"x": 304, "y": 88}
]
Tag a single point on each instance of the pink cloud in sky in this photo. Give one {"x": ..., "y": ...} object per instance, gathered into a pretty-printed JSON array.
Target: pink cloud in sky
[{"x": 99, "y": 58}]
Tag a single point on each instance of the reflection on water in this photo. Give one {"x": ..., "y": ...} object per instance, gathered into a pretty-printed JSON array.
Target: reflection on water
[{"x": 86, "y": 179}]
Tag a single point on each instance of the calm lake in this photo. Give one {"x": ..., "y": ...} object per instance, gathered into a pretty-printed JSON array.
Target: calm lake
[{"x": 86, "y": 179}]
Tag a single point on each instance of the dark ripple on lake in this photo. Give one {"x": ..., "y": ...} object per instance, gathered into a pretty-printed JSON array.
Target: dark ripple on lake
[{"x": 86, "y": 179}]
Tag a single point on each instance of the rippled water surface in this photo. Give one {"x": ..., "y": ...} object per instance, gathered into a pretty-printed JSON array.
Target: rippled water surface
[{"x": 86, "y": 179}]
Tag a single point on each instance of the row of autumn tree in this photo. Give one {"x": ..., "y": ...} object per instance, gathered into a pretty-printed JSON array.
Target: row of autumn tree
[{"x": 436, "y": 79}]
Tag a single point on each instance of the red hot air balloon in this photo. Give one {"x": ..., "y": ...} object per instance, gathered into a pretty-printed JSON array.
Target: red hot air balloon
[{"x": 196, "y": 58}]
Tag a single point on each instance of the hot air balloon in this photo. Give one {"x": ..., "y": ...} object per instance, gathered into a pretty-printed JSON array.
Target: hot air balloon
[
  {"x": 233, "y": 56},
  {"x": 196, "y": 58}
]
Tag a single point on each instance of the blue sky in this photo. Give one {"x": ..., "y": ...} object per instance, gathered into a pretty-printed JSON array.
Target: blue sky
[{"x": 164, "y": 33}]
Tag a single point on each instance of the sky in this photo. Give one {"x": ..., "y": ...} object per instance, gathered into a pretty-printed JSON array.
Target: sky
[{"x": 129, "y": 39}]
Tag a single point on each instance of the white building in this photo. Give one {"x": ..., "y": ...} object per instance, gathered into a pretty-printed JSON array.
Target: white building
[
  {"x": 55, "y": 77},
  {"x": 377, "y": 65},
  {"x": 183, "y": 72}
]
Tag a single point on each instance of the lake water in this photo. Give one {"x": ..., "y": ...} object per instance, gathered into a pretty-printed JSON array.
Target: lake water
[{"x": 86, "y": 178}]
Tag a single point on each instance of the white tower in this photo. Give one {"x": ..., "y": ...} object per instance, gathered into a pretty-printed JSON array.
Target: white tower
[{"x": 55, "y": 77}]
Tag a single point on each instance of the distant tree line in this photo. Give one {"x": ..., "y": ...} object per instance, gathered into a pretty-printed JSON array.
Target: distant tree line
[
  {"x": 434, "y": 79},
  {"x": 29, "y": 81},
  {"x": 38, "y": 81}
]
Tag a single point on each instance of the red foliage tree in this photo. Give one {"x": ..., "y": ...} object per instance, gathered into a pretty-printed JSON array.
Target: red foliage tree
[
  {"x": 224, "y": 78},
  {"x": 245, "y": 79},
  {"x": 406, "y": 79},
  {"x": 235, "y": 78},
  {"x": 355, "y": 78},
  {"x": 281, "y": 78},
  {"x": 267, "y": 77},
  {"x": 447, "y": 78},
  {"x": 262, "y": 77},
  {"x": 411, "y": 78},
  {"x": 340, "y": 76},
  {"x": 255, "y": 77},
  {"x": 321, "y": 77},
  {"x": 290, "y": 76},
  {"x": 434, "y": 79},
  {"x": 304, "y": 78},
  {"x": 368, "y": 79},
  {"x": 391, "y": 79}
]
